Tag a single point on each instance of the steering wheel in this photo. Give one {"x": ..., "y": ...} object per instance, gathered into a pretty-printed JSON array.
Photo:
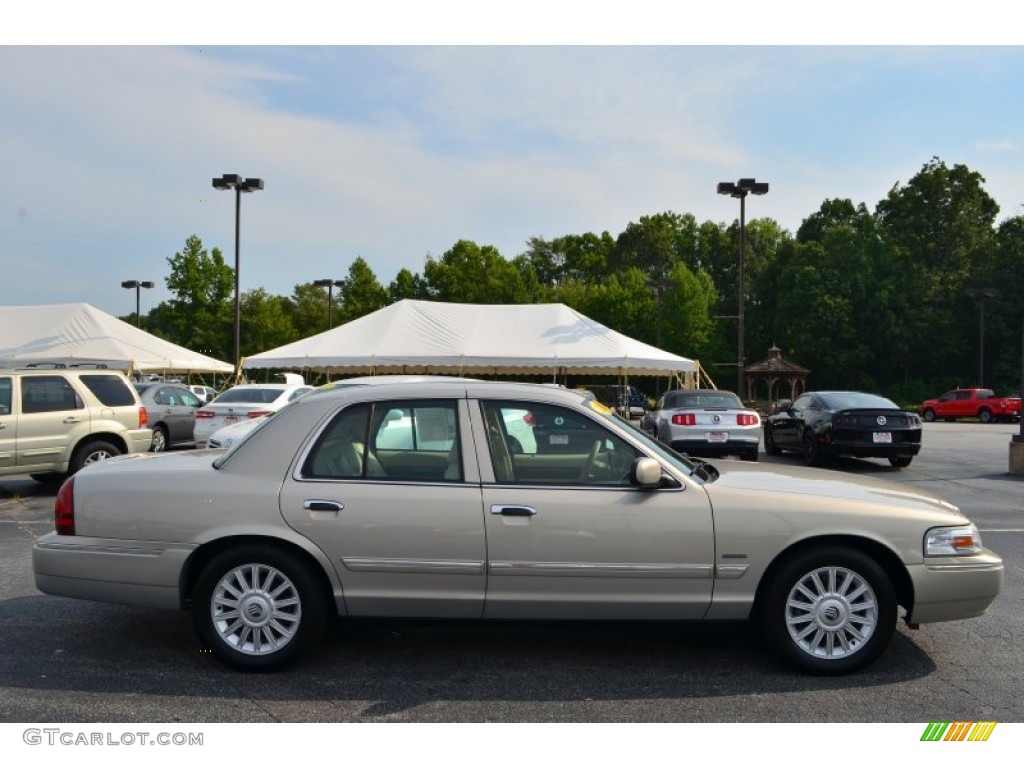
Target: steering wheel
[{"x": 588, "y": 465}]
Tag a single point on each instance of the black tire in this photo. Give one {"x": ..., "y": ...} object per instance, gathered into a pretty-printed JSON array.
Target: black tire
[
  {"x": 828, "y": 612},
  {"x": 287, "y": 611},
  {"x": 812, "y": 452},
  {"x": 92, "y": 451},
  {"x": 159, "y": 444},
  {"x": 900, "y": 461},
  {"x": 929, "y": 414},
  {"x": 985, "y": 416},
  {"x": 49, "y": 478},
  {"x": 769, "y": 444}
]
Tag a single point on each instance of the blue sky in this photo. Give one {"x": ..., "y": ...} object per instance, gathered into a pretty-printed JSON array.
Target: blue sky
[{"x": 394, "y": 152}]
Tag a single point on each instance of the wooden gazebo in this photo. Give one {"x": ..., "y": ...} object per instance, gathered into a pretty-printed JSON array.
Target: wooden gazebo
[{"x": 763, "y": 381}]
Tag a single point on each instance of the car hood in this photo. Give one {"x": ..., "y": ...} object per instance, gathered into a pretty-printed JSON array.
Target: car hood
[{"x": 806, "y": 481}]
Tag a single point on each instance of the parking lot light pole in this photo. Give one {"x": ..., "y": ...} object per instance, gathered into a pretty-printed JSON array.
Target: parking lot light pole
[
  {"x": 240, "y": 185},
  {"x": 981, "y": 294},
  {"x": 138, "y": 285},
  {"x": 329, "y": 285},
  {"x": 740, "y": 190}
]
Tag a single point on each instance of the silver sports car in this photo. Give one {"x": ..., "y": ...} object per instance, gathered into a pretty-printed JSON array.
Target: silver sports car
[
  {"x": 706, "y": 422},
  {"x": 402, "y": 500}
]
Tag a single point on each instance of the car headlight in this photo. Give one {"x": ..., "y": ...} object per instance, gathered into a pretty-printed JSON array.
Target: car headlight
[{"x": 962, "y": 540}]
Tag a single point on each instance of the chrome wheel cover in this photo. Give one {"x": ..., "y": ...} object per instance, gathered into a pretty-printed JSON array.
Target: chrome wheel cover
[
  {"x": 256, "y": 609},
  {"x": 159, "y": 441},
  {"x": 831, "y": 613},
  {"x": 99, "y": 455}
]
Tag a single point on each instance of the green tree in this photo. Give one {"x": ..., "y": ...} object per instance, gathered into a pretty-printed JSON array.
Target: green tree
[
  {"x": 200, "y": 313},
  {"x": 361, "y": 293},
  {"x": 473, "y": 274},
  {"x": 939, "y": 231},
  {"x": 266, "y": 322},
  {"x": 407, "y": 285}
]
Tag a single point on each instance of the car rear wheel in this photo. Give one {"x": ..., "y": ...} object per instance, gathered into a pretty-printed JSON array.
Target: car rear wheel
[
  {"x": 91, "y": 452},
  {"x": 258, "y": 608},
  {"x": 769, "y": 444},
  {"x": 812, "y": 452},
  {"x": 900, "y": 461},
  {"x": 929, "y": 414},
  {"x": 985, "y": 416},
  {"x": 829, "y": 612},
  {"x": 159, "y": 444}
]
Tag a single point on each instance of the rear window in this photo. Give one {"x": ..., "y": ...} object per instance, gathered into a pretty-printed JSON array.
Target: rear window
[
  {"x": 837, "y": 401},
  {"x": 112, "y": 391},
  {"x": 251, "y": 395}
]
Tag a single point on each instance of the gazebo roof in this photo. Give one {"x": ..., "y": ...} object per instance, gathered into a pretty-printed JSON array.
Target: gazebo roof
[{"x": 774, "y": 365}]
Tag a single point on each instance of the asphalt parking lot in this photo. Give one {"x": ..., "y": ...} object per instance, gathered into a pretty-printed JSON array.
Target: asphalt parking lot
[{"x": 72, "y": 661}]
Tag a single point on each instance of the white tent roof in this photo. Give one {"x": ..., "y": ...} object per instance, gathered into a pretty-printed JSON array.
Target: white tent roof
[
  {"x": 435, "y": 337},
  {"x": 72, "y": 334}
]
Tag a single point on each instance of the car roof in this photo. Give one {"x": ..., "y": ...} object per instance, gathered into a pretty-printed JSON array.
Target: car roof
[{"x": 458, "y": 388}]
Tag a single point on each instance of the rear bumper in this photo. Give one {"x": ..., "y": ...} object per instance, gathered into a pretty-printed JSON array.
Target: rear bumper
[
  {"x": 110, "y": 570},
  {"x": 731, "y": 447}
]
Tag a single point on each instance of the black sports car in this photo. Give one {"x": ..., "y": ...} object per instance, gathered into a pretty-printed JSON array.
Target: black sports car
[{"x": 820, "y": 425}]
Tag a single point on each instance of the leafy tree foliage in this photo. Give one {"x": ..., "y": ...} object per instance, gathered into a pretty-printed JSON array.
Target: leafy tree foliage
[{"x": 875, "y": 300}]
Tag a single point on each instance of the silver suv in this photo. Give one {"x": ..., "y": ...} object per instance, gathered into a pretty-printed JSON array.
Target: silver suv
[{"x": 54, "y": 421}]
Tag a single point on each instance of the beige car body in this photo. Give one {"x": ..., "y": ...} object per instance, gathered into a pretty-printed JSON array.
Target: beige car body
[
  {"x": 691, "y": 549},
  {"x": 46, "y": 442}
]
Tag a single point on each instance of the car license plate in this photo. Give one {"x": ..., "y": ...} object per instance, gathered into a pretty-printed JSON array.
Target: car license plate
[
  {"x": 717, "y": 437},
  {"x": 882, "y": 437},
  {"x": 230, "y": 419}
]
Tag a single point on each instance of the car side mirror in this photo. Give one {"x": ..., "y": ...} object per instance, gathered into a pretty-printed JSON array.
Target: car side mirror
[{"x": 646, "y": 473}]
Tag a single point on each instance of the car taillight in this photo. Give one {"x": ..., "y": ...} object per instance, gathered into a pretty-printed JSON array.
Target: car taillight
[
  {"x": 64, "y": 509},
  {"x": 143, "y": 416},
  {"x": 746, "y": 419},
  {"x": 204, "y": 414},
  {"x": 684, "y": 419},
  {"x": 846, "y": 420},
  {"x": 257, "y": 414}
]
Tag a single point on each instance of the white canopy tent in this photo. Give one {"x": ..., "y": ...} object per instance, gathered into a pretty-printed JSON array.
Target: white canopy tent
[
  {"x": 80, "y": 334},
  {"x": 436, "y": 337}
]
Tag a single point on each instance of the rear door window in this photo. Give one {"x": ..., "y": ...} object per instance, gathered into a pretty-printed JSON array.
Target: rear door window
[{"x": 112, "y": 391}]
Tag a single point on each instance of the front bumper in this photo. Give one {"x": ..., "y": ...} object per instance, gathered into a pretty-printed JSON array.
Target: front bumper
[{"x": 951, "y": 588}]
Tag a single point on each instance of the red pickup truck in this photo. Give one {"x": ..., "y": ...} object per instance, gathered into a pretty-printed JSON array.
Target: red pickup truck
[{"x": 971, "y": 403}]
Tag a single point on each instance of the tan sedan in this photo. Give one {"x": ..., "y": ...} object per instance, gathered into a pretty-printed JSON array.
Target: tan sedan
[{"x": 412, "y": 500}]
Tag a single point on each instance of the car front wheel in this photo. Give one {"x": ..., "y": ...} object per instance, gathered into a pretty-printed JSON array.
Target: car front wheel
[
  {"x": 258, "y": 608},
  {"x": 829, "y": 612},
  {"x": 929, "y": 414}
]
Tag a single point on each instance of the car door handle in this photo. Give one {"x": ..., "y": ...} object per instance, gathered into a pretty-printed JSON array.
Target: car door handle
[
  {"x": 512, "y": 510},
  {"x": 72, "y": 420},
  {"x": 322, "y": 505}
]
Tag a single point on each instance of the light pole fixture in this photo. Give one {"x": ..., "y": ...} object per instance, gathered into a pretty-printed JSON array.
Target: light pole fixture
[
  {"x": 240, "y": 185},
  {"x": 138, "y": 285},
  {"x": 741, "y": 189},
  {"x": 981, "y": 294},
  {"x": 329, "y": 285}
]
